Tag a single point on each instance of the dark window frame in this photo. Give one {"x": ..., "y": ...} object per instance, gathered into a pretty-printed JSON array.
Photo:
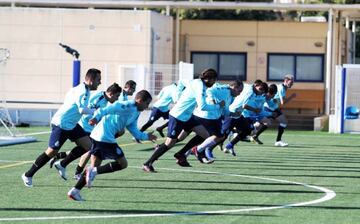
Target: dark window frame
[
  {"x": 295, "y": 55},
  {"x": 218, "y": 53}
]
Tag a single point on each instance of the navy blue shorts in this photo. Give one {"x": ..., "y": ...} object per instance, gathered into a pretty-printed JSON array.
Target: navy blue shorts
[
  {"x": 175, "y": 126},
  {"x": 241, "y": 124},
  {"x": 104, "y": 150},
  {"x": 277, "y": 111},
  {"x": 213, "y": 127},
  {"x": 156, "y": 114},
  {"x": 59, "y": 136}
]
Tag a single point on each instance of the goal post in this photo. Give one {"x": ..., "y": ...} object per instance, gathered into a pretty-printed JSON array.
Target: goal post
[
  {"x": 347, "y": 99},
  {"x": 9, "y": 135}
]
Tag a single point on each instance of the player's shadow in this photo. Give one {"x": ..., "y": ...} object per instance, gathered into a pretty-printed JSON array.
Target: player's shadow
[
  {"x": 215, "y": 189},
  {"x": 121, "y": 211},
  {"x": 309, "y": 175},
  {"x": 200, "y": 182},
  {"x": 153, "y": 147},
  {"x": 295, "y": 147},
  {"x": 92, "y": 210}
]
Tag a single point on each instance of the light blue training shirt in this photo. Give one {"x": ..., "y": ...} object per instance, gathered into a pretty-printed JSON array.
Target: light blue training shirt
[
  {"x": 193, "y": 96},
  {"x": 215, "y": 94},
  {"x": 236, "y": 107},
  {"x": 114, "y": 118},
  {"x": 274, "y": 103},
  {"x": 123, "y": 97},
  {"x": 97, "y": 100},
  {"x": 168, "y": 95},
  {"x": 255, "y": 101},
  {"x": 70, "y": 112}
]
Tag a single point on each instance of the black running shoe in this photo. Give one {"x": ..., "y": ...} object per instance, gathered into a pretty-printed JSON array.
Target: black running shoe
[
  {"x": 161, "y": 133},
  {"x": 181, "y": 160},
  {"x": 52, "y": 161}
]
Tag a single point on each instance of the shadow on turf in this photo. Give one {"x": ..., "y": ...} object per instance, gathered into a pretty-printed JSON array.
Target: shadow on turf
[
  {"x": 152, "y": 147},
  {"x": 200, "y": 182},
  {"x": 122, "y": 211},
  {"x": 306, "y": 175},
  {"x": 290, "y": 169},
  {"x": 209, "y": 182},
  {"x": 158, "y": 188}
]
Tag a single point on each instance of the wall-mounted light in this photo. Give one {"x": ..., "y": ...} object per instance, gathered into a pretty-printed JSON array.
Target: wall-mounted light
[
  {"x": 318, "y": 44},
  {"x": 92, "y": 27},
  {"x": 250, "y": 43}
]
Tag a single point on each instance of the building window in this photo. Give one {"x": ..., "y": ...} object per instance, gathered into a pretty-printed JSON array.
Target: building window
[
  {"x": 304, "y": 67},
  {"x": 230, "y": 66}
]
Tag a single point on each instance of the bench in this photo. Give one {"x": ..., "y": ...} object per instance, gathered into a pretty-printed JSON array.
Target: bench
[{"x": 309, "y": 99}]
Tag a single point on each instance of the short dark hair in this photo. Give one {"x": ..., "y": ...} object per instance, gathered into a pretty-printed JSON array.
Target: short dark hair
[
  {"x": 208, "y": 73},
  {"x": 144, "y": 95},
  {"x": 131, "y": 84},
  {"x": 114, "y": 88},
  {"x": 264, "y": 86},
  {"x": 272, "y": 89},
  {"x": 258, "y": 82},
  {"x": 92, "y": 73},
  {"x": 236, "y": 83}
]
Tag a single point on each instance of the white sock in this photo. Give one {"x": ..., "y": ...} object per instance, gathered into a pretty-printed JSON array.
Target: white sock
[{"x": 208, "y": 143}]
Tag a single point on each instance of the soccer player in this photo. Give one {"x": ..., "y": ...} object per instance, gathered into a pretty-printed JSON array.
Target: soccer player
[
  {"x": 65, "y": 124},
  {"x": 168, "y": 95},
  {"x": 263, "y": 118},
  {"x": 274, "y": 106},
  {"x": 128, "y": 90},
  {"x": 211, "y": 120},
  {"x": 112, "y": 119},
  {"x": 249, "y": 104},
  {"x": 181, "y": 117},
  {"x": 97, "y": 100}
]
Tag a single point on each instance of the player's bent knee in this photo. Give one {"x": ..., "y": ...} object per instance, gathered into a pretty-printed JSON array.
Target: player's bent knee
[
  {"x": 50, "y": 152},
  {"x": 284, "y": 125}
]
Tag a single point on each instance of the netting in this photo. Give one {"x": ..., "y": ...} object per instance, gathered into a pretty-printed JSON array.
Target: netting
[
  {"x": 8, "y": 132},
  {"x": 154, "y": 77}
]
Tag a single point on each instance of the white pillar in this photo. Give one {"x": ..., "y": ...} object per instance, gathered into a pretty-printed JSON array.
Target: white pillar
[
  {"x": 328, "y": 62},
  {"x": 168, "y": 10},
  {"x": 353, "y": 30}
]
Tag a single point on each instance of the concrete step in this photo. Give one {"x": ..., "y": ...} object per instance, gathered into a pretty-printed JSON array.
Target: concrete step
[{"x": 301, "y": 121}]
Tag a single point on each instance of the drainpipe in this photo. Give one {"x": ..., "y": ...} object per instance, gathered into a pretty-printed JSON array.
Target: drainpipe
[{"x": 328, "y": 62}]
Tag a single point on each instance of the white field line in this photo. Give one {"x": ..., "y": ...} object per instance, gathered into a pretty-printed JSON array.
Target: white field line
[
  {"x": 36, "y": 133},
  {"x": 329, "y": 194}
]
